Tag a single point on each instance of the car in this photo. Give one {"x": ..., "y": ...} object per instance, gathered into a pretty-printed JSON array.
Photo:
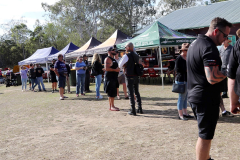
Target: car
[{"x": 46, "y": 73}]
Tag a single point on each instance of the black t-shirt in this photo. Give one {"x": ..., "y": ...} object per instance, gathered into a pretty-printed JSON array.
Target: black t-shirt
[
  {"x": 52, "y": 73},
  {"x": 233, "y": 68},
  {"x": 39, "y": 72},
  {"x": 202, "y": 52}
]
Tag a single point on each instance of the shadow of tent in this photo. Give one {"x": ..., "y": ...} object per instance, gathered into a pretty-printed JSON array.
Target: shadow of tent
[{"x": 158, "y": 99}]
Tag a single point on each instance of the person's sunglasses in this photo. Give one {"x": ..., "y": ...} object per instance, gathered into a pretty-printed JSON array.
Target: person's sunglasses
[{"x": 224, "y": 35}]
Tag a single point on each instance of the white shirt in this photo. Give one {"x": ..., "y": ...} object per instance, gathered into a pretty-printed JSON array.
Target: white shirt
[
  {"x": 121, "y": 71},
  {"x": 123, "y": 60}
]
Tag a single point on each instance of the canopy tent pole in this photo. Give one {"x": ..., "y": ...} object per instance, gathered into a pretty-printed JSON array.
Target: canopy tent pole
[
  {"x": 47, "y": 70},
  {"x": 160, "y": 54}
]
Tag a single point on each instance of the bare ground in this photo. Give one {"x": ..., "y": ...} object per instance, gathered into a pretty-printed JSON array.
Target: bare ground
[{"x": 39, "y": 126}]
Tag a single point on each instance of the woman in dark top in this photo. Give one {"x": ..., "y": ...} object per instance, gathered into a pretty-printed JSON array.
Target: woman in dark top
[
  {"x": 181, "y": 78},
  {"x": 98, "y": 67}
]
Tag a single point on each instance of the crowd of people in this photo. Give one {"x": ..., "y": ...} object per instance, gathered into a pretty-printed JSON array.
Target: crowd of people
[{"x": 200, "y": 66}]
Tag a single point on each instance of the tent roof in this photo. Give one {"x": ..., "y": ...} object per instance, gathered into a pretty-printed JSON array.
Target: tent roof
[
  {"x": 116, "y": 38},
  {"x": 39, "y": 56},
  {"x": 92, "y": 42},
  {"x": 158, "y": 34},
  {"x": 200, "y": 16},
  {"x": 66, "y": 50}
]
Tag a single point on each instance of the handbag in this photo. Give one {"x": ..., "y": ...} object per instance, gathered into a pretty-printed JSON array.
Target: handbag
[
  {"x": 138, "y": 68},
  {"x": 178, "y": 88}
]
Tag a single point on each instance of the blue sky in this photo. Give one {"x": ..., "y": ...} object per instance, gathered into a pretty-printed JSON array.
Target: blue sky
[{"x": 28, "y": 10}]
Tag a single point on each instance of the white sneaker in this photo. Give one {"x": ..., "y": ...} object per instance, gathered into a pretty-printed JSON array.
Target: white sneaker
[
  {"x": 100, "y": 97},
  {"x": 22, "y": 90},
  {"x": 61, "y": 98}
]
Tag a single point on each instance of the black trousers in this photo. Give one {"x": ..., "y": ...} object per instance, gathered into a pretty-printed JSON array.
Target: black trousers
[
  {"x": 133, "y": 87},
  {"x": 87, "y": 81}
]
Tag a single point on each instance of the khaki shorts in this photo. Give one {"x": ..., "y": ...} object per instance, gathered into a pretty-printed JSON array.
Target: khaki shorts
[{"x": 121, "y": 79}]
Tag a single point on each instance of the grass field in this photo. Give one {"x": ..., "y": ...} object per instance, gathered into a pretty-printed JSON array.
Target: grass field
[{"x": 37, "y": 125}]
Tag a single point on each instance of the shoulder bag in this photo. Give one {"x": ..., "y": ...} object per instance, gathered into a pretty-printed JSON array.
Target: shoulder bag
[{"x": 138, "y": 67}]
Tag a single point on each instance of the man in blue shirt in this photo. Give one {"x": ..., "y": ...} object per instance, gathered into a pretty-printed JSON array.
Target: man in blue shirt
[
  {"x": 61, "y": 72},
  {"x": 80, "y": 75}
]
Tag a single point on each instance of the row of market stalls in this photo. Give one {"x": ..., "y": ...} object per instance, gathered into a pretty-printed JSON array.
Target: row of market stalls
[{"x": 155, "y": 46}]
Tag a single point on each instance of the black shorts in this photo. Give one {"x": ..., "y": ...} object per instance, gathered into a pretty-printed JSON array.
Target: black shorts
[
  {"x": 53, "y": 78},
  {"x": 61, "y": 81},
  {"x": 207, "y": 116},
  {"x": 110, "y": 87}
]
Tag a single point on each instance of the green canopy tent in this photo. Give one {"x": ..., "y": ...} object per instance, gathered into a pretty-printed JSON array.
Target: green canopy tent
[{"x": 156, "y": 36}]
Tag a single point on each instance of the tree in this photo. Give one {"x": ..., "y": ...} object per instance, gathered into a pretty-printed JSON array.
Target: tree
[
  {"x": 20, "y": 34},
  {"x": 96, "y": 17},
  {"x": 167, "y": 6},
  {"x": 214, "y": 1}
]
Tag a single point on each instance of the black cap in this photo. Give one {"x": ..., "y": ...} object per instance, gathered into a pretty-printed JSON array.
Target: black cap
[{"x": 112, "y": 48}]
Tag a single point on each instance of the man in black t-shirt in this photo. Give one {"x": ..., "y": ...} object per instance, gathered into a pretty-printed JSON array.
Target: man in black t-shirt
[
  {"x": 53, "y": 76},
  {"x": 234, "y": 78},
  {"x": 204, "y": 82},
  {"x": 39, "y": 72}
]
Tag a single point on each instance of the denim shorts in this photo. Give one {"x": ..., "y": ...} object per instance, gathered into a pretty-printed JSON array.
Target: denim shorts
[{"x": 61, "y": 81}]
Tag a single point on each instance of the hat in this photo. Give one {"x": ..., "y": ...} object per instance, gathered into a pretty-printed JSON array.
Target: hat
[
  {"x": 84, "y": 55},
  {"x": 111, "y": 48},
  {"x": 54, "y": 60},
  {"x": 185, "y": 47}
]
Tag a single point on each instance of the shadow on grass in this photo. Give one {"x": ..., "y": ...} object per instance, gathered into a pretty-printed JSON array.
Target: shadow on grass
[
  {"x": 85, "y": 98},
  {"x": 235, "y": 119},
  {"x": 1, "y": 93}
]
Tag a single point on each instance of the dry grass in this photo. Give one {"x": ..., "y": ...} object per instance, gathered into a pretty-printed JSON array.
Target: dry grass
[{"x": 40, "y": 126}]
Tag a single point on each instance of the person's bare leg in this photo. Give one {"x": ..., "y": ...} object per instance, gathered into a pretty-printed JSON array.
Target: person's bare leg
[
  {"x": 125, "y": 89},
  {"x": 180, "y": 113},
  {"x": 185, "y": 111},
  {"x": 61, "y": 90},
  {"x": 55, "y": 85},
  {"x": 118, "y": 93},
  {"x": 222, "y": 105},
  {"x": 203, "y": 149}
]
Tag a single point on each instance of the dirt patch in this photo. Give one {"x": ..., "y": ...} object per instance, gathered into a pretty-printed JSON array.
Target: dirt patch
[{"x": 37, "y": 125}]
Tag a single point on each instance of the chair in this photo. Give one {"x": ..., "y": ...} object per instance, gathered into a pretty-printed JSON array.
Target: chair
[{"x": 152, "y": 74}]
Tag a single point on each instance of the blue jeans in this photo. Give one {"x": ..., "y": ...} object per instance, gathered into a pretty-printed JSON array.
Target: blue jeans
[
  {"x": 80, "y": 79},
  {"x": 24, "y": 83},
  {"x": 40, "y": 80},
  {"x": 34, "y": 83},
  {"x": 182, "y": 98},
  {"x": 98, "y": 80}
]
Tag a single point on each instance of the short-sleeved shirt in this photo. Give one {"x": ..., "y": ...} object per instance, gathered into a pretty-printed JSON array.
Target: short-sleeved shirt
[
  {"x": 80, "y": 71},
  {"x": 233, "y": 66},
  {"x": 202, "y": 53},
  {"x": 121, "y": 71},
  {"x": 225, "y": 54},
  {"x": 61, "y": 67},
  {"x": 52, "y": 73},
  {"x": 39, "y": 72}
]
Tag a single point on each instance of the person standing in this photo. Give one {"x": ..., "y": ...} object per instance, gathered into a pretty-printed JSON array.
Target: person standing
[
  {"x": 67, "y": 77},
  {"x": 80, "y": 72},
  {"x": 128, "y": 60},
  {"x": 87, "y": 75},
  {"x": 98, "y": 67},
  {"x": 181, "y": 78},
  {"x": 204, "y": 77},
  {"x": 70, "y": 64},
  {"x": 121, "y": 79},
  {"x": 23, "y": 73},
  {"x": 225, "y": 52},
  {"x": 53, "y": 76},
  {"x": 111, "y": 77},
  {"x": 39, "y": 72},
  {"x": 61, "y": 72},
  {"x": 234, "y": 78},
  {"x": 32, "y": 76}
]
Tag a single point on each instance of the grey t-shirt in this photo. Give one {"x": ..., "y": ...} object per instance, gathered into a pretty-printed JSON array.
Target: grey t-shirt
[{"x": 225, "y": 54}]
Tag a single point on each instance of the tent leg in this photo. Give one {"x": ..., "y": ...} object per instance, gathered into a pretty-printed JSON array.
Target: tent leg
[
  {"x": 160, "y": 54},
  {"x": 47, "y": 72}
]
